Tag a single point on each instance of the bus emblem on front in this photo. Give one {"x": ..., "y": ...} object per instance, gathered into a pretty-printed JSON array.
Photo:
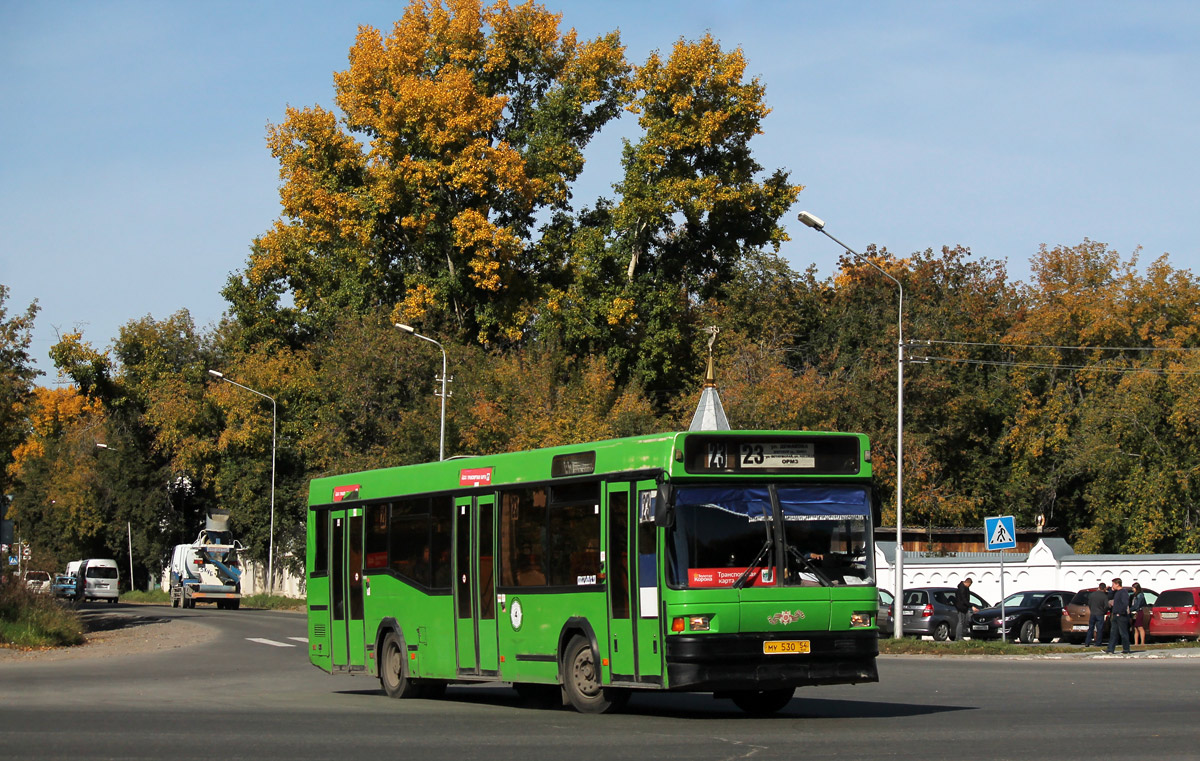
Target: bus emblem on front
[{"x": 786, "y": 617}]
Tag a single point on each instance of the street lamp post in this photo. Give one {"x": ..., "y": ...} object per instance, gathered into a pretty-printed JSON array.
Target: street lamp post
[
  {"x": 898, "y": 602},
  {"x": 442, "y": 436},
  {"x": 271, "y": 540}
]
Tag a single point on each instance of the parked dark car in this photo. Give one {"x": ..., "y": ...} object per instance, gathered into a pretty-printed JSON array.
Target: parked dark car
[
  {"x": 1176, "y": 613},
  {"x": 1077, "y": 614},
  {"x": 1028, "y": 616},
  {"x": 930, "y": 612}
]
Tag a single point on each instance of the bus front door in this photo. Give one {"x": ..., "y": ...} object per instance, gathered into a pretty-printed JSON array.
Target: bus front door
[
  {"x": 466, "y": 635},
  {"x": 621, "y": 644},
  {"x": 643, "y": 571},
  {"x": 346, "y": 589}
]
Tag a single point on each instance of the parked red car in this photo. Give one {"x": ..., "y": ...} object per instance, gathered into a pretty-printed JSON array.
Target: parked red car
[{"x": 1176, "y": 613}]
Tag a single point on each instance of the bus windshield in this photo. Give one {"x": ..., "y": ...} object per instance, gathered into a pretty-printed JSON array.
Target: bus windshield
[{"x": 769, "y": 535}]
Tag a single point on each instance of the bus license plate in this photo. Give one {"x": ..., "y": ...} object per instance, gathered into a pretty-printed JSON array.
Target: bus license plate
[{"x": 786, "y": 646}]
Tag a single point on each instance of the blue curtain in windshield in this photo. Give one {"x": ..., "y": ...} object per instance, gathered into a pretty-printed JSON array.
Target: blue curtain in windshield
[
  {"x": 806, "y": 503},
  {"x": 753, "y": 503},
  {"x": 798, "y": 503}
]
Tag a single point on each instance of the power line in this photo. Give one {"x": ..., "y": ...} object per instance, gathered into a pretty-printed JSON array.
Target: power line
[
  {"x": 1065, "y": 348},
  {"x": 1040, "y": 366}
]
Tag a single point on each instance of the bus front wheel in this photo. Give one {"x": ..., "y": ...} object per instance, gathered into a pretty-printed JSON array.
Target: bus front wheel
[
  {"x": 581, "y": 680},
  {"x": 393, "y": 676},
  {"x": 762, "y": 702}
]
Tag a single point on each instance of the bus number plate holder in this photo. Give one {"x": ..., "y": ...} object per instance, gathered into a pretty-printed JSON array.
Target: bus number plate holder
[{"x": 786, "y": 647}]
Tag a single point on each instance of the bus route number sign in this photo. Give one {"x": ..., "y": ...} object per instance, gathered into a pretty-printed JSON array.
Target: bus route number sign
[{"x": 717, "y": 457}]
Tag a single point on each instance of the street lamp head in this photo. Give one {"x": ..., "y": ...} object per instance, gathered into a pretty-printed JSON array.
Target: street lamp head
[
  {"x": 812, "y": 220},
  {"x": 216, "y": 374},
  {"x": 406, "y": 328}
]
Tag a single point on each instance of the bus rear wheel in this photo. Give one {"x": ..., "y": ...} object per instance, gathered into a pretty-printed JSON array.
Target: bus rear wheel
[
  {"x": 393, "y": 672},
  {"x": 581, "y": 680},
  {"x": 763, "y": 702}
]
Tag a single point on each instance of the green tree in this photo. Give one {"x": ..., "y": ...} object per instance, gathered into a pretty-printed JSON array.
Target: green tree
[{"x": 17, "y": 375}]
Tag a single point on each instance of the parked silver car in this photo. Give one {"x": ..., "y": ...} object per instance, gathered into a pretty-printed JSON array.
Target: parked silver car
[
  {"x": 885, "y": 616},
  {"x": 930, "y": 611}
]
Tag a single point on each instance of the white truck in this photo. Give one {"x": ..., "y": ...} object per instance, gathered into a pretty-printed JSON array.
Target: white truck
[{"x": 207, "y": 570}]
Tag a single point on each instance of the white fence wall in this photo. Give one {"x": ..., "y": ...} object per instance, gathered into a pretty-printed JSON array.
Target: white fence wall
[{"x": 1051, "y": 564}]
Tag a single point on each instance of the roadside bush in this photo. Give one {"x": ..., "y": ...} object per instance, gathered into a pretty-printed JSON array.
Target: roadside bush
[
  {"x": 29, "y": 620},
  {"x": 141, "y": 596},
  {"x": 273, "y": 602}
]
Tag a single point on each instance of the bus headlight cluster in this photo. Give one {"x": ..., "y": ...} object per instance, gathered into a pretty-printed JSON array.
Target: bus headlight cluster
[
  {"x": 698, "y": 623},
  {"x": 860, "y": 619}
]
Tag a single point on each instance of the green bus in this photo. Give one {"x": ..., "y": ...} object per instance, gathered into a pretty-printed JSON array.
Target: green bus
[{"x": 734, "y": 562}]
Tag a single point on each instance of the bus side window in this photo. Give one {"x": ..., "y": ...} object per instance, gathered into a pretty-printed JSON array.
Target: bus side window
[
  {"x": 377, "y": 536},
  {"x": 442, "y": 514},
  {"x": 321, "y": 554},
  {"x": 522, "y": 537}
]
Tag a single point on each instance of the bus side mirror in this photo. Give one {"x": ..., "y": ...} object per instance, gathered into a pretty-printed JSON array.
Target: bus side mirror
[
  {"x": 664, "y": 514},
  {"x": 876, "y": 509}
]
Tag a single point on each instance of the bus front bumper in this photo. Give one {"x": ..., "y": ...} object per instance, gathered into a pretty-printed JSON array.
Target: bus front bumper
[{"x": 738, "y": 662}]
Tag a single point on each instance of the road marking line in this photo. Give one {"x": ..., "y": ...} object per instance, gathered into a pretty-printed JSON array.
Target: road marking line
[
  {"x": 271, "y": 642},
  {"x": 300, "y": 639}
]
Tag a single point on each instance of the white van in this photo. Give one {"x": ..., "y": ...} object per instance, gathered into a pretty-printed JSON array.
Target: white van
[{"x": 101, "y": 578}]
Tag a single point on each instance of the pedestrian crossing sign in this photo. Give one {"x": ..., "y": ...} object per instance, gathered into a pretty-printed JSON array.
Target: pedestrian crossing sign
[{"x": 999, "y": 533}]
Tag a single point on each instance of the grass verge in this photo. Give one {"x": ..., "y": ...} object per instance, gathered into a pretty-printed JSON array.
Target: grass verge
[
  {"x": 916, "y": 646},
  {"x": 29, "y": 620},
  {"x": 273, "y": 602},
  {"x": 146, "y": 598}
]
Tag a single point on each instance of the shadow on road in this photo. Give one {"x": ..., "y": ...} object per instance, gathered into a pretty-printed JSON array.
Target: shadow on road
[
  {"x": 107, "y": 621},
  {"x": 696, "y": 705}
]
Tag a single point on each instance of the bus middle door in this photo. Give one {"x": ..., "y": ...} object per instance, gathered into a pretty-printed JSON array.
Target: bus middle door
[
  {"x": 485, "y": 587},
  {"x": 466, "y": 634},
  {"x": 621, "y": 644}
]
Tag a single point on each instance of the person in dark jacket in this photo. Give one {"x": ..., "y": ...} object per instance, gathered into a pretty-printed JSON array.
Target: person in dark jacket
[
  {"x": 1097, "y": 608},
  {"x": 962, "y": 603},
  {"x": 1120, "y": 619}
]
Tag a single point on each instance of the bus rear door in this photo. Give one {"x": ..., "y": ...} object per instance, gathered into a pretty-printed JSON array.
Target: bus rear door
[{"x": 346, "y": 589}]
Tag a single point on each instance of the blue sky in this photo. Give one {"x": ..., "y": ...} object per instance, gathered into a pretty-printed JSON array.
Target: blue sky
[{"x": 134, "y": 172}]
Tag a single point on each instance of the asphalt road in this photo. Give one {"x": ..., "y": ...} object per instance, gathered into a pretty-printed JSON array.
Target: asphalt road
[{"x": 249, "y": 692}]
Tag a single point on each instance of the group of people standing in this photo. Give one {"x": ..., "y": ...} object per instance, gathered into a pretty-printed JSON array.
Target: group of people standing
[{"x": 1119, "y": 605}]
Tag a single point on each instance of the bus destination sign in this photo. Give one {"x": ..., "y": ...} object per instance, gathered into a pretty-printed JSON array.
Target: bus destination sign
[
  {"x": 776, "y": 454},
  {"x": 831, "y": 454}
]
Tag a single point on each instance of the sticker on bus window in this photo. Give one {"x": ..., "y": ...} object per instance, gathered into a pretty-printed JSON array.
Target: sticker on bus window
[
  {"x": 582, "y": 580},
  {"x": 725, "y": 577},
  {"x": 345, "y": 492},
  {"x": 475, "y": 477},
  {"x": 646, "y": 506}
]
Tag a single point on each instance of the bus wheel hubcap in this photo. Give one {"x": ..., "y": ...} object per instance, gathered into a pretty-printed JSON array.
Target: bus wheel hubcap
[{"x": 585, "y": 674}]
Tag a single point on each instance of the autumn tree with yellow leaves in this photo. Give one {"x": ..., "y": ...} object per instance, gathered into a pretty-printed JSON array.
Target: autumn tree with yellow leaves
[{"x": 457, "y": 130}]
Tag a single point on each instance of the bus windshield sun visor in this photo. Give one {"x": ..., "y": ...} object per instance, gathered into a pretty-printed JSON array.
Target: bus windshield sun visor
[{"x": 797, "y": 503}]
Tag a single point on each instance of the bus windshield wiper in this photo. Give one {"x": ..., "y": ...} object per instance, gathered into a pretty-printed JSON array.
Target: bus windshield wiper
[
  {"x": 821, "y": 577},
  {"x": 741, "y": 580}
]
